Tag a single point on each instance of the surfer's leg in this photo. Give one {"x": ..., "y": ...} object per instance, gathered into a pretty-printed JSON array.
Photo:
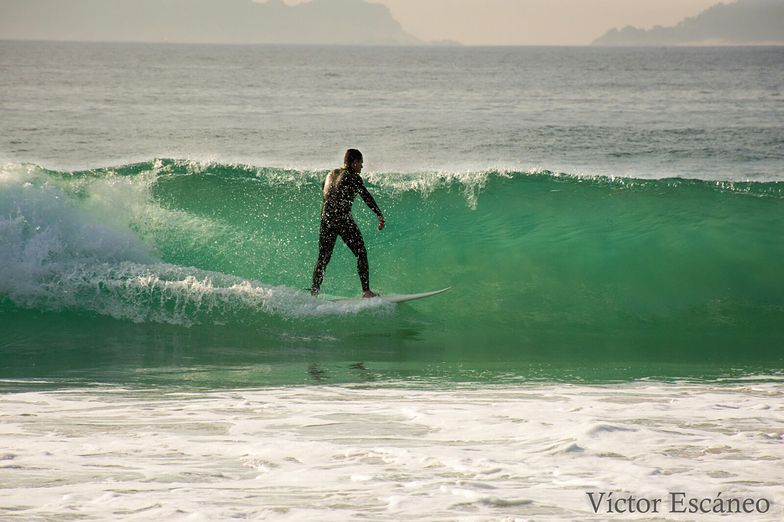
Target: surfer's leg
[
  {"x": 327, "y": 238},
  {"x": 353, "y": 239}
]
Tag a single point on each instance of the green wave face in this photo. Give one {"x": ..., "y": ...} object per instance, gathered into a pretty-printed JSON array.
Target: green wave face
[{"x": 546, "y": 271}]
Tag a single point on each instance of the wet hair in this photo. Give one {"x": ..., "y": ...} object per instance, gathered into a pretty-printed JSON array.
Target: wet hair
[{"x": 351, "y": 156}]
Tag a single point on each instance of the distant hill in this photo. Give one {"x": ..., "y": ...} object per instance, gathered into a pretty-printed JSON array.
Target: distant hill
[
  {"x": 740, "y": 23},
  {"x": 202, "y": 21}
]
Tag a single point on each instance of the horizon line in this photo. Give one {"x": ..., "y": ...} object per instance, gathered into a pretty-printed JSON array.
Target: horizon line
[{"x": 436, "y": 44}]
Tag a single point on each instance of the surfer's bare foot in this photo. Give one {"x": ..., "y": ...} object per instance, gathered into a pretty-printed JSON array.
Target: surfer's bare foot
[
  {"x": 314, "y": 292},
  {"x": 369, "y": 294}
]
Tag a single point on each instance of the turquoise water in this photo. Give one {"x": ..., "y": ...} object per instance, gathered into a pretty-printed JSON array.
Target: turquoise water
[
  {"x": 600, "y": 214},
  {"x": 197, "y": 272}
]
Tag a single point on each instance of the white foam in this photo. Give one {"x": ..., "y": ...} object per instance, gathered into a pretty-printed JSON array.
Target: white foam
[
  {"x": 337, "y": 453},
  {"x": 71, "y": 243}
]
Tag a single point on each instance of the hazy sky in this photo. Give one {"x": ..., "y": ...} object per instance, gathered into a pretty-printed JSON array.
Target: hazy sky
[{"x": 533, "y": 22}]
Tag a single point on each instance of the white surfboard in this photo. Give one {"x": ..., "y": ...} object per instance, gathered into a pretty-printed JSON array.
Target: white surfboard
[{"x": 392, "y": 298}]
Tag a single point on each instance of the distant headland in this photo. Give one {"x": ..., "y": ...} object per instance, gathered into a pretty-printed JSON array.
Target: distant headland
[
  {"x": 744, "y": 22},
  {"x": 326, "y": 22}
]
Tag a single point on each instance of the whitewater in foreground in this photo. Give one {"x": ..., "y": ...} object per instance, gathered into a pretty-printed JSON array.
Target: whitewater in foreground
[{"x": 399, "y": 452}]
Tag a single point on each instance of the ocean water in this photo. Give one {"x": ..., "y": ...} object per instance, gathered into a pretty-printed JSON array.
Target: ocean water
[{"x": 609, "y": 222}]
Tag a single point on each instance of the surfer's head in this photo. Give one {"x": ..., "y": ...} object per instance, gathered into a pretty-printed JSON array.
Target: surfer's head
[{"x": 353, "y": 160}]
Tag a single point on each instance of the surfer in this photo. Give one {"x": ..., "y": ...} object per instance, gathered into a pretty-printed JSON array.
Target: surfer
[{"x": 340, "y": 188}]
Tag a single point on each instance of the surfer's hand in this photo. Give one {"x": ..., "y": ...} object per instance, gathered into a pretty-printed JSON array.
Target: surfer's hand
[{"x": 381, "y": 222}]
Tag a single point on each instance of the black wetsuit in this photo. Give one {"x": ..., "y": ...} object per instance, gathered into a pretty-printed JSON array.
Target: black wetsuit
[{"x": 340, "y": 189}]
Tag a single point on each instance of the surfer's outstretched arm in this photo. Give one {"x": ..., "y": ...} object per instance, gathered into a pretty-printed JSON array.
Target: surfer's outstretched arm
[{"x": 367, "y": 197}]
